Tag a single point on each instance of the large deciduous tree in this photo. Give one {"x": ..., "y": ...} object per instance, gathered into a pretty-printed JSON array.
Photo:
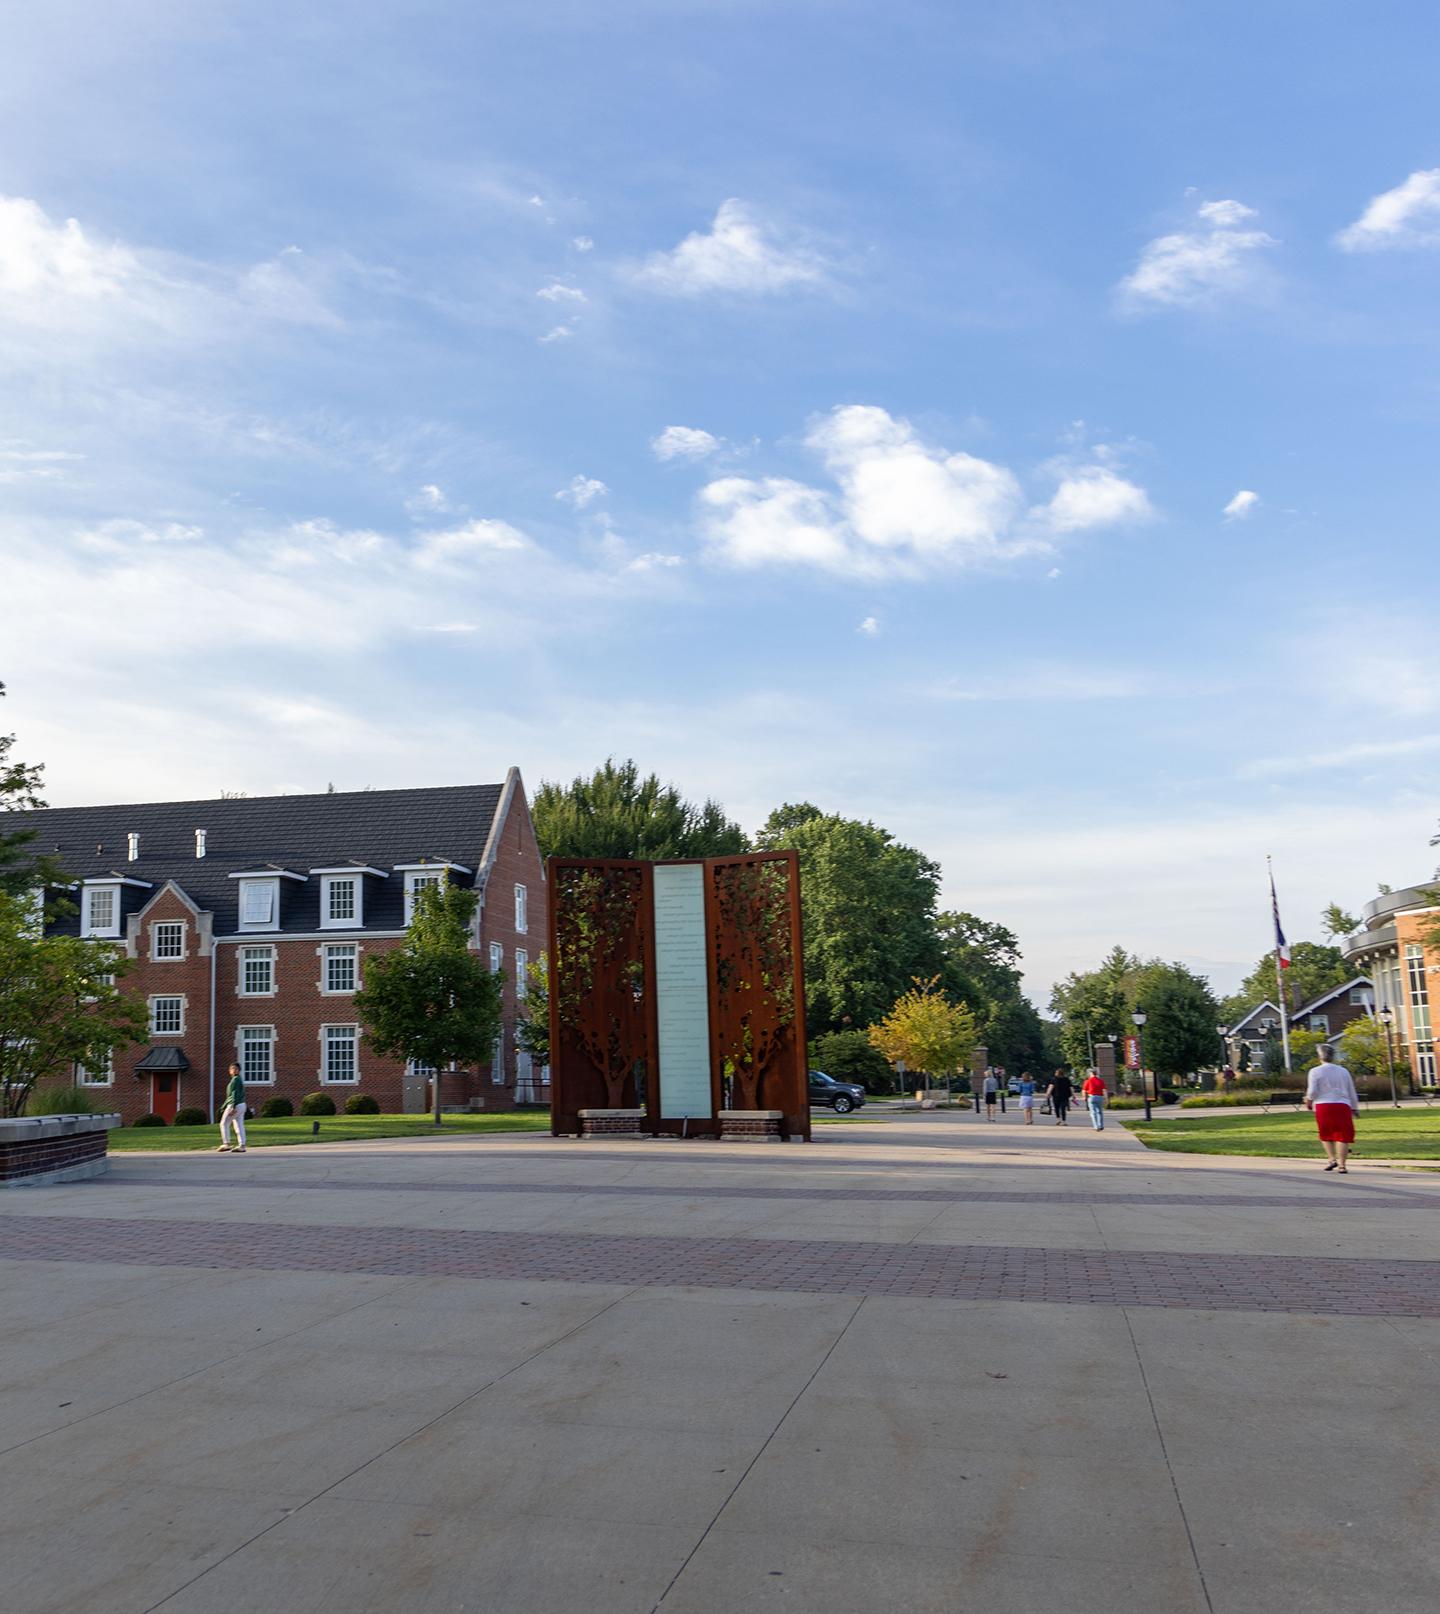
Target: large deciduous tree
[
  {"x": 1095, "y": 1003},
  {"x": 59, "y": 1007},
  {"x": 1314, "y": 969},
  {"x": 1181, "y": 1018},
  {"x": 981, "y": 968},
  {"x": 869, "y": 911},
  {"x": 616, "y": 813},
  {"x": 433, "y": 1001}
]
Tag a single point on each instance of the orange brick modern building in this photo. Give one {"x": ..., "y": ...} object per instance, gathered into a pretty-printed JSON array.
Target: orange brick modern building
[{"x": 250, "y": 920}]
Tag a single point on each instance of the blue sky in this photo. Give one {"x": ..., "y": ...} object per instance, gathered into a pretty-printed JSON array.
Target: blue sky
[{"x": 1014, "y": 426}]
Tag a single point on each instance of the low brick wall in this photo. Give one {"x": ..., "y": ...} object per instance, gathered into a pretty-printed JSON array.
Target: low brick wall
[
  {"x": 750, "y": 1126},
  {"x": 611, "y": 1123},
  {"x": 44, "y": 1149}
]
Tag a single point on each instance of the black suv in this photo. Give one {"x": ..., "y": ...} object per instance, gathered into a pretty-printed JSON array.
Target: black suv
[{"x": 842, "y": 1097}]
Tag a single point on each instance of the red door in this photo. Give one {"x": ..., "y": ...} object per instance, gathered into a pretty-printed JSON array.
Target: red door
[{"x": 165, "y": 1095}]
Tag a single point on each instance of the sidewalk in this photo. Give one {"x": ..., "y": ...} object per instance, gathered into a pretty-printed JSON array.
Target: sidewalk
[{"x": 930, "y": 1364}]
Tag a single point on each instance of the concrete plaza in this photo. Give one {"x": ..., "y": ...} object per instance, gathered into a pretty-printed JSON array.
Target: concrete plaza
[{"x": 932, "y": 1364}]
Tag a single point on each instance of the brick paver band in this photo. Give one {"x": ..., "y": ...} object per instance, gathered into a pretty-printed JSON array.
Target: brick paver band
[
  {"x": 1327, "y": 1285},
  {"x": 1338, "y": 1198}
]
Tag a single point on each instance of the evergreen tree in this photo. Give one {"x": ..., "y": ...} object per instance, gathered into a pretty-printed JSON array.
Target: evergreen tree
[{"x": 616, "y": 813}]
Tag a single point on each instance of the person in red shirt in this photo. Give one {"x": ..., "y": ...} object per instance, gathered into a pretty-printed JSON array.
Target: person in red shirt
[{"x": 1094, "y": 1091}]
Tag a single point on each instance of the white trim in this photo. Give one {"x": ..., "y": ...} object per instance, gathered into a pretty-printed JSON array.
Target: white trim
[
  {"x": 83, "y": 1076},
  {"x": 353, "y": 868},
  {"x": 326, "y": 990},
  {"x": 242, "y": 938},
  {"x": 428, "y": 873},
  {"x": 267, "y": 874},
  {"x": 271, "y": 1041},
  {"x": 258, "y": 947},
  {"x": 169, "y": 958},
  {"x": 522, "y": 909},
  {"x": 432, "y": 864},
  {"x": 88, "y": 928},
  {"x": 271, "y": 884},
  {"x": 522, "y": 963},
  {"x": 497, "y": 957},
  {"x": 497, "y": 826},
  {"x": 117, "y": 879},
  {"x": 326, "y": 1078},
  {"x": 354, "y": 921}
]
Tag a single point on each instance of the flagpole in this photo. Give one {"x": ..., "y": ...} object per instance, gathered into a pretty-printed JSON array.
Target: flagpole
[{"x": 1279, "y": 971}]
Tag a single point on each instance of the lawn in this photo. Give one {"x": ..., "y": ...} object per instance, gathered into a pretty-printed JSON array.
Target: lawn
[
  {"x": 333, "y": 1129},
  {"x": 1379, "y": 1134}
]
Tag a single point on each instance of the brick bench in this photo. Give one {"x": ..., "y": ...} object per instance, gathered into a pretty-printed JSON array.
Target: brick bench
[
  {"x": 611, "y": 1123},
  {"x": 750, "y": 1126},
  {"x": 40, "y": 1149}
]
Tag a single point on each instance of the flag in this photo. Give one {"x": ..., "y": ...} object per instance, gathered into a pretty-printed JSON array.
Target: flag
[{"x": 1282, "y": 947}]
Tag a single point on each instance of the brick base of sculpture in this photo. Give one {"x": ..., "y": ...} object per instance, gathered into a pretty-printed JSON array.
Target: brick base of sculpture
[
  {"x": 750, "y": 1126},
  {"x": 611, "y": 1123},
  {"x": 40, "y": 1149}
]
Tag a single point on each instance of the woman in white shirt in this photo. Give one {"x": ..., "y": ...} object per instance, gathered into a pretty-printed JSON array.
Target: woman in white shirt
[{"x": 1330, "y": 1092}]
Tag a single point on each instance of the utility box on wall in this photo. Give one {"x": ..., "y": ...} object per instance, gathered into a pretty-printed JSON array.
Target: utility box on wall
[{"x": 677, "y": 990}]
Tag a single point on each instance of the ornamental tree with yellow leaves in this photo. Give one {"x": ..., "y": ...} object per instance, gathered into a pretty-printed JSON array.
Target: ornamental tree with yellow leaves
[{"x": 927, "y": 1031}]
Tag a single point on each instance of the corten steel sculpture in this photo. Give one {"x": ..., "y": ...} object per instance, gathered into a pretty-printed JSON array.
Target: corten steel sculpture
[{"x": 604, "y": 1038}]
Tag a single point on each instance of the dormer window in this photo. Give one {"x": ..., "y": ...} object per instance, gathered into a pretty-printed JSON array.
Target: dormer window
[
  {"x": 421, "y": 876},
  {"x": 342, "y": 895},
  {"x": 260, "y": 897},
  {"x": 100, "y": 910}
]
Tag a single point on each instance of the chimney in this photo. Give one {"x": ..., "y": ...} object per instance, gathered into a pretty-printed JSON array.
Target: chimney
[
  {"x": 132, "y": 841},
  {"x": 199, "y": 843}
]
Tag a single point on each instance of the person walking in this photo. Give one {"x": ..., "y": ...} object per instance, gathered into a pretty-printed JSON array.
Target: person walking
[
  {"x": 232, "y": 1117},
  {"x": 1094, "y": 1091},
  {"x": 1027, "y": 1098},
  {"x": 1330, "y": 1092},
  {"x": 992, "y": 1092},
  {"x": 1059, "y": 1093}
]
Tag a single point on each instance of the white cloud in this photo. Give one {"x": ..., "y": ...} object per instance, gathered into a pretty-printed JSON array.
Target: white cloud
[
  {"x": 22, "y": 464},
  {"x": 583, "y": 243},
  {"x": 1053, "y": 573},
  {"x": 869, "y": 627},
  {"x": 1407, "y": 216},
  {"x": 464, "y": 545},
  {"x": 654, "y": 561},
  {"x": 738, "y": 253},
  {"x": 581, "y": 490},
  {"x": 1242, "y": 505},
  {"x": 429, "y": 500},
  {"x": 1094, "y": 496},
  {"x": 901, "y": 506},
  {"x": 684, "y": 443},
  {"x": 559, "y": 292},
  {"x": 557, "y": 333},
  {"x": 115, "y": 535},
  {"x": 1191, "y": 267}
]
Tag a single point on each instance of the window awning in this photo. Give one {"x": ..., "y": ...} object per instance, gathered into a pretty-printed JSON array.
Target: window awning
[{"x": 163, "y": 1059}]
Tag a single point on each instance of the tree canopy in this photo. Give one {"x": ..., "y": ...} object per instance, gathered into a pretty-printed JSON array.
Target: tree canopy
[
  {"x": 1180, "y": 1033},
  {"x": 20, "y": 784},
  {"x": 1314, "y": 969},
  {"x": 981, "y": 968},
  {"x": 616, "y": 813},
  {"x": 927, "y": 1031}
]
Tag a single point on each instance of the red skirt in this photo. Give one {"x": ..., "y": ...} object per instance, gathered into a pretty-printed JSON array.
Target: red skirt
[{"x": 1336, "y": 1123}]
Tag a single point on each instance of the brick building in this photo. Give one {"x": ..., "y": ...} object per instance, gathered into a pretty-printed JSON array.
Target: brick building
[
  {"x": 1397, "y": 947},
  {"x": 250, "y": 921}
]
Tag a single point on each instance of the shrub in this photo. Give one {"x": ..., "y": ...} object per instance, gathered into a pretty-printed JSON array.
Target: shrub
[
  {"x": 273, "y": 1108},
  {"x": 60, "y": 1101},
  {"x": 362, "y": 1104},
  {"x": 1125, "y": 1102},
  {"x": 1236, "y": 1095},
  {"x": 317, "y": 1104},
  {"x": 191, "y": 1117},
  {"x": 150, "y": 1120}
]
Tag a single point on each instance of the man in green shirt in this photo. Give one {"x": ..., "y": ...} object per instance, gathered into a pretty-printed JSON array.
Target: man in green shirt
[{"x": 232, "y": 1117}]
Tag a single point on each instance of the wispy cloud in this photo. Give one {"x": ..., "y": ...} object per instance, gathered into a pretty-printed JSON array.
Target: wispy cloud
[
  {"x": 1407, "y": 216},
  {"x": 902, "y": 506},
  {"x": 1215, "y": 256},
  {"x": 740, "y": 252},
  {"x": 581, "y": 490},
  {"x": 1340, "y": 756},
  {"x": 558, "y": 333},
  {"x": 1243, "y": 505},
  {"x": 558, "y": 292},
  {"x": 428, "y": 501}
]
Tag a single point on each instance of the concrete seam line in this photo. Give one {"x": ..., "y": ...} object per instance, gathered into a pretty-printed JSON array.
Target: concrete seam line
[
  {"x": 764, "y": 1447},
  {"x": 1165, "y": 1453},
  {"x": 385, "y": 1451}
]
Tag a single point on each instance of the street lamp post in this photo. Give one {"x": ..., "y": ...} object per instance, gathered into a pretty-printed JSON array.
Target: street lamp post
[
  {"x": 1139, "y": 1017},
  {"x": 1387, "y": 1015}
]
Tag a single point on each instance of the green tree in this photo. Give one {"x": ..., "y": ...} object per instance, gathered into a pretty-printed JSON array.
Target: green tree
[
  {"x": 1362, "y": 1050},
  {"x": 1095, "y": 1003},
  {"x": 532, "y": 1029},
  {"x": 981, "y": 967},
  {"x": 850, "y": 1056},
  {"x": 1314, "y": 969},
  {"x": 926, "y": 1031},
  {"x": 1180, "y": 1018},
  {"x": 21, "y": 869},
  {"x": 616, "y": 813},
  {"x": 869, "y": 911},
  {"x": 1334, "y": 921},
  {"x": 433, "y": 1001},
  {"x": 59, "y": 1005}
]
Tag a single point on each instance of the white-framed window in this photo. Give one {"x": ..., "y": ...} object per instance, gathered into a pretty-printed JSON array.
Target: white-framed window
[
  {"x": 167, "y": 1016},
  {"x": 417, "y": 880},
  {"x": 100, "y": 910},
  {"x": 522, "y": 963},
  {"x": 99, "y": 1073},
  {"x": 522, "y": 913},
  {"x": 340, "y": 902},
  {"x": 339, "y": 967},
  {"x": 257, "y": 1053},
  {"x": 497, "y": 1061},
  {"x": 257, "y": 972},
  {"x": 497, "y": 957},
  {"x": 1320, "y": 1022},
  {"x": 340, "y": 1053},
  {"x": 259, "y": 904},
  {"x": 418, "y": 1067},
  {"x": 1359, "y": 996},
  {"x": 167, "y": 939},
  {"x": 524, "y": 1078}
]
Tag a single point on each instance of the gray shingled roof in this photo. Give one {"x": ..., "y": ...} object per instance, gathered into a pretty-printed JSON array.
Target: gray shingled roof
[{"x": 300, "y": 833}]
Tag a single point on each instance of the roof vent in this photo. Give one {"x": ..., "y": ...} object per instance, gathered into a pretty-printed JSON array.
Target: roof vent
[
  {"x": 199, "y": 843},
  {"x": 132, "y": 842}
]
